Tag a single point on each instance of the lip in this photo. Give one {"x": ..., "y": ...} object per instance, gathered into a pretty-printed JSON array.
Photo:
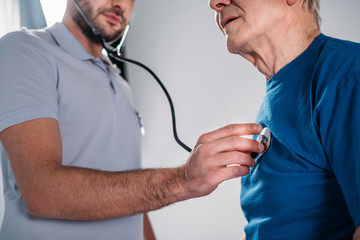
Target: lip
[
  {"x": 113, "y": 18},
  {"x": 226, "y": 20}
]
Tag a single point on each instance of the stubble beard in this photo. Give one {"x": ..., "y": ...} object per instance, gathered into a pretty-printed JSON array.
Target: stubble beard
[{"x": 86, "y": 29}]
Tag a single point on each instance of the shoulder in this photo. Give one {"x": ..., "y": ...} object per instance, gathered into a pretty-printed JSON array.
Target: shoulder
[
  {"x": 25, "y": 58},
  {"x": 19, "y": 38},
  {"x": 25, "y": 42},
  {"x": 337, "y": 65},
  {"x": 346, "y": 58},
  {"x": 338, "y": 60},
  {"x": 338, "y": 54},
  {"x": 25, "y": 48}
]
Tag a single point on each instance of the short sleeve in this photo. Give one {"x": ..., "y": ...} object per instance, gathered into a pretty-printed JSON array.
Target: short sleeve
[
  {"x": 339, "y": 120},
  {"x": 28, "y": 81}
]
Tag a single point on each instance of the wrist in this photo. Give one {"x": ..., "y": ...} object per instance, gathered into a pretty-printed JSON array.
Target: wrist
[
  {"x": 183, "y": 192},
  {"x": 166, "y": 186}
]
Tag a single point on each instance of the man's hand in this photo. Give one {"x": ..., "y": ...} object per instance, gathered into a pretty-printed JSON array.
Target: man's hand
[{"x": 218, "y": 156}]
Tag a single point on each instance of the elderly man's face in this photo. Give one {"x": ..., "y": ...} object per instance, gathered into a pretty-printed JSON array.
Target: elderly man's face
[
  {"x": 244, "y": 22},
  {"x": 109, "y": 17}
]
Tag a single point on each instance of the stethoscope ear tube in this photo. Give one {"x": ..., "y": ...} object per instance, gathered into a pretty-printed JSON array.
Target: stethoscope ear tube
[
  {"x": 122, "y": 59},
  {"x": 115, "y": 53}
]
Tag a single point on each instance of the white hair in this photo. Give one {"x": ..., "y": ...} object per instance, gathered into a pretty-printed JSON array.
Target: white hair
[{"x": 314, "y": 7}]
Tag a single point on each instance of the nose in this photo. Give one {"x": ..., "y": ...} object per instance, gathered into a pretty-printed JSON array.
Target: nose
[{"x": 217, "y": 5}]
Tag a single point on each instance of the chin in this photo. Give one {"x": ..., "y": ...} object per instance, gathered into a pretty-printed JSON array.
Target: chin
[
  {"x": 111, "y": 37},
  {"x": 231, "y": 50},
  {"x": 231, "y": 47},
  {"x": 237, "y": 45}
]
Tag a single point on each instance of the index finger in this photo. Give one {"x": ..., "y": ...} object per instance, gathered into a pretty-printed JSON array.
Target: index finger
[{"x": 231, "y": 130}]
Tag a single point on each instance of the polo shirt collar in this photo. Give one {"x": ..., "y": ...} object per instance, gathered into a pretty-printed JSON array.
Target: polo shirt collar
[{"x": 66, "y": 40}]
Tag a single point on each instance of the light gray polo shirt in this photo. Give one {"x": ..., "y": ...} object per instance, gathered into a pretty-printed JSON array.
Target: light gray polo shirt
[{"x": 48, "y": 74}]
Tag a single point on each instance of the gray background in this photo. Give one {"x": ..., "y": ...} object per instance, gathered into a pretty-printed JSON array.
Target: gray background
[{"x": 210, "y": 88}]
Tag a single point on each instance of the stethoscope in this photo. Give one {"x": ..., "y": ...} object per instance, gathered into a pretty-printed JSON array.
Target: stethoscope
[
  {"x": 115, "y": 53},
  {"x": 265, "y": 138}
]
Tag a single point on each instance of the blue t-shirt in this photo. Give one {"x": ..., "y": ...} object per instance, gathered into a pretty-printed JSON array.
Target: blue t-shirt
[
  {"x": 307, "y": 185},
  {"x": 49, "y": 74}
]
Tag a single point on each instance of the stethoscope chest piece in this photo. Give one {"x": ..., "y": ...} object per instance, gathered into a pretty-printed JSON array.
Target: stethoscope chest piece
[{"x": 265, "y": 138}]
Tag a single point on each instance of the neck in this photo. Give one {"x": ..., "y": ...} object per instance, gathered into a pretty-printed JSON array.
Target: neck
[
  {"x": 91, "y": 47},
  {"x": 270, "y": 53}
]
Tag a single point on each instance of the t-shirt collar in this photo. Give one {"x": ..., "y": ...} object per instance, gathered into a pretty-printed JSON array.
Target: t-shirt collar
[{"x": 280, "y": 74}]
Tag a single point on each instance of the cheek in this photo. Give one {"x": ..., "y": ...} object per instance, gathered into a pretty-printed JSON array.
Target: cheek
[
  {"x": 129, "y": 12},
  {"x": 264, "y": 22}
]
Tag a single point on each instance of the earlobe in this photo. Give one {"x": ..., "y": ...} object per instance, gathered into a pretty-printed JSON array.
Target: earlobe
[{"x": 291, "y": 2}]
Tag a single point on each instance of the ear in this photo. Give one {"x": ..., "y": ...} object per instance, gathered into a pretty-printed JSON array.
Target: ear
[{"x": 291, "y": 2}]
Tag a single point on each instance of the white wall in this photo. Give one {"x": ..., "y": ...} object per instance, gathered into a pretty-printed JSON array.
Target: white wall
[
  {"x": 9, "y": 16},
  {"x": 210, "y": 88}
]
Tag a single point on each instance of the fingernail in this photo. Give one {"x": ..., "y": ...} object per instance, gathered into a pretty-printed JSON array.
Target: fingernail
[{"x": 257, "y": 127}]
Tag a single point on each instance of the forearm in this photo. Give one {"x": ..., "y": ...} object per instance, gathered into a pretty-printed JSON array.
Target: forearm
[
  {"x": 85, "y": 194},
  {"x": 51, "y": 190}
]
